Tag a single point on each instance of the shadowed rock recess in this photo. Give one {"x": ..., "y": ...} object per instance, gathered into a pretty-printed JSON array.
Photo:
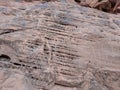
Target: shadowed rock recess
[{"x": 58, "y": 46}]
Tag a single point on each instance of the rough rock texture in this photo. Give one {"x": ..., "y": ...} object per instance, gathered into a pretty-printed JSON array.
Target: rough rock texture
[{"x": 58, "y": 46}]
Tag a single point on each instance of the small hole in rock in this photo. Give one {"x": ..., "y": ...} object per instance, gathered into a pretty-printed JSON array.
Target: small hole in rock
[
  {"x": 4, "y": 57},
  {"x": 78, "y": 1},
  {"x": 17, "y": 64}
]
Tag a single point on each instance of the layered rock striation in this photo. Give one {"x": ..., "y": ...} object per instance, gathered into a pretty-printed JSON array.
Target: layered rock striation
[{"x": 58, "y": 46}]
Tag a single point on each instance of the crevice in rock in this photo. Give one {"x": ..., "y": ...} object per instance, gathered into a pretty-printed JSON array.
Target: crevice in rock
[
  {"x": 7, "y": 31},
  {"x": 4, "y": 57}
]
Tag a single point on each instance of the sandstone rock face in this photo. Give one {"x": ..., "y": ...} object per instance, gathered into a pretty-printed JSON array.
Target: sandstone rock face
[
  {"x": 58, "y": 46},
  {"x": 13, "y": 80}
]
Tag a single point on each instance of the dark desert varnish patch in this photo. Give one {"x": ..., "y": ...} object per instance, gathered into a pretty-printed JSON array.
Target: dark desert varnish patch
[
  {"x": 116, "y": 4},
  {"x": 110, "y": 6}
]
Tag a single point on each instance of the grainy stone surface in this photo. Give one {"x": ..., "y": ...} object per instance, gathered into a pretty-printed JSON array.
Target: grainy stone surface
[{"x": 58, "y": 46}]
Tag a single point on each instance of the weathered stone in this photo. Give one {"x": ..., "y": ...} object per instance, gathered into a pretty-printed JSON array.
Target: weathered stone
[{"x": 60, "y": 45}]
